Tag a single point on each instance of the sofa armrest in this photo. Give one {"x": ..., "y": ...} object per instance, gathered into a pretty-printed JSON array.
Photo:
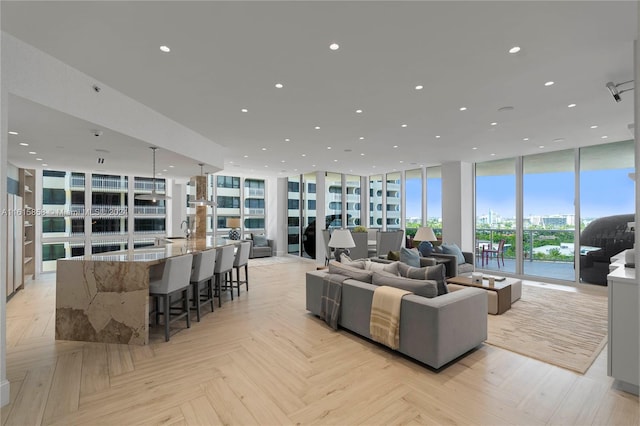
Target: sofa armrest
[
  {"x": 468, "y": 257},
  {"x": 452, "y": 265},
  {"x": 250, "y": 248}
]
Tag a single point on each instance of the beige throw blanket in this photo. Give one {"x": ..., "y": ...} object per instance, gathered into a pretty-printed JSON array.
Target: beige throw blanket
[{"x": 384, "y": 324}]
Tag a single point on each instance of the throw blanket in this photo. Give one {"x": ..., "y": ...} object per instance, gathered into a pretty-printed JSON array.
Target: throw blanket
[
  {"x": 331, "y": 299},
  {"x": 384, "y": 324}
]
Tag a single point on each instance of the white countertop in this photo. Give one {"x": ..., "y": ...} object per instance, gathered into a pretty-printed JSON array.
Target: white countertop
[{"x": 620, "y": 273}]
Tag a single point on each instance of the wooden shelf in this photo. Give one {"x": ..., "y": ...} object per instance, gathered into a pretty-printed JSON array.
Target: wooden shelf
[
  {"x": 28, "y": 173},
  {"x": 28, "y": 259},
  {"x": 26, "y": 243},
  {"x": 27, "y": 225}
]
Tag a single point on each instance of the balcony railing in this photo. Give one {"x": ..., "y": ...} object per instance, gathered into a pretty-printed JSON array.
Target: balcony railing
[
  {"x": 148, "y": 186},
  {"x": 111, "y": 184},
  {"x": 150, "y": 210},
  {"x": 259, "y": 212},
  {"x": 77, "y": 181},
  {"x": 254, "y": 192},
  {"x": 538, "y": 244}
]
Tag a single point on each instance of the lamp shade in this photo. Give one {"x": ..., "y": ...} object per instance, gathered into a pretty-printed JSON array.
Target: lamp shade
[
  {"x": 233, "y": 222},
  {"x": 341, "y": 238},
  {"x": 425, "y": 233}
]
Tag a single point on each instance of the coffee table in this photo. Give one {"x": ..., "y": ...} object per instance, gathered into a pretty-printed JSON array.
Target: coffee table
[{"x": 501, "y": 290}]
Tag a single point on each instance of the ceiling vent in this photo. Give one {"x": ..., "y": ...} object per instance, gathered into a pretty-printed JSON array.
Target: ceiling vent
[{"x": 100, "y": 160}]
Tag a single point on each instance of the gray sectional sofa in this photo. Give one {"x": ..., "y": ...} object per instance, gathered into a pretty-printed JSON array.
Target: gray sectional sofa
[{"x": 433, "y": 331}]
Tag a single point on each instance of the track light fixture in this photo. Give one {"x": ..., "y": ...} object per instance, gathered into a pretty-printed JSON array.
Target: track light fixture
[{"x": 615, "y": 92}]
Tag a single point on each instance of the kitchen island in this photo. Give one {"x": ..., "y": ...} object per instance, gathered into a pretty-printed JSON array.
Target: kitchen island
[{"x": 105, "y": 297}]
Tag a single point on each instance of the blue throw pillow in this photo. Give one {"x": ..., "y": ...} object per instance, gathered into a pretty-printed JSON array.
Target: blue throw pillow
[
  {"x": 425, "y": 248},
  {"x": 260, "y": 241},
  {"x": 410, "y": 257},
  {"x": 454, "y": 249}
]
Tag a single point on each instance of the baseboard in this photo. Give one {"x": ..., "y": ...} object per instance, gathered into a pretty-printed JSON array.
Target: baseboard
[{"x": 4, "y": 393}]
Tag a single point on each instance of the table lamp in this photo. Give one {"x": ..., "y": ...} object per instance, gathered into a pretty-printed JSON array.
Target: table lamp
[
  {"x": 341, "y": 240},
  {"x": 234, "y": 224},
  {"x": 425, "y": 235}
]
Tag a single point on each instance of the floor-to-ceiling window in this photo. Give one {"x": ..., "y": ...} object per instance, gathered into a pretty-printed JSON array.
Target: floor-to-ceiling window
[
  {"x": 496, "y": 214},
  {"x": 352, "y": 183},
  {"x": 254, "y": 206},
  {"x": 434, "y": 199},
  {"x": 413, "y": 201},
  {"x": 228, "y": 200},
  {"x": 333, "y": 195},
  {"x": 293, "y": 214},
  {"x": 607, "y": 203},
  {"x": 394, "y": 204},
  {"x": 375, "y": 201},
  {"x": 309, "y": 214},
  {"x": 548, "y": 195}
]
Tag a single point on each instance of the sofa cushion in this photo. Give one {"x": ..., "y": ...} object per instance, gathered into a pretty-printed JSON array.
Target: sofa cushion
[
  {"x": 391, "y": 268},
  {"x": 350, "y": 271},
  {"x": 435, "y": 273},
  {"x": 464, "y": 268},
  {"x": 346, "y": 260},
  {"x": 424, "y": 288},
  {"x": 454, "y": 249},
  {"x": 410, "y": 257},
  {"x": 259, "y": 240}
]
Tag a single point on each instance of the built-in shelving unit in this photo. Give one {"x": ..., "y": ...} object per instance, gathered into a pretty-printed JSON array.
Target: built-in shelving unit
[{"x": 28, "y": 183}]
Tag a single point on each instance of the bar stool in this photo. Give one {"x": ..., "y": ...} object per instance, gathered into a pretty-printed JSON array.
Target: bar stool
[
  {"x": 174, "y": 280},
  {"x": 222, "y": 270},
  {"x": 202, "y": 271},
  {"x": 241, "y": 259}
]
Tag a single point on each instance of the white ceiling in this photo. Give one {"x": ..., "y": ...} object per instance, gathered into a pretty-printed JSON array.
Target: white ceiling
[{"x": 229, "y": 55}]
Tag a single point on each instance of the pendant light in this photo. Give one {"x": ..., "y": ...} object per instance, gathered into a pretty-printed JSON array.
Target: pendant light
[
  {"x": 154, "y": 196},
  {"x": 202, "y": 201}
]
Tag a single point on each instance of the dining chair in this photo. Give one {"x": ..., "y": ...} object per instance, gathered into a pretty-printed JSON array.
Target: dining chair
[
  {"x": 202, "y": 271},
  {"x": 174, "y": 280},
  {"x": 498, "y": 253},
  {"x": 241, "y": 260},
  {"x": 222, "y": 271}
]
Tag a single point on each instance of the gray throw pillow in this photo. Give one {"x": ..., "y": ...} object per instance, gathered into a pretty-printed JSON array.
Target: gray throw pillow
[
  {"x": 260, "y": 240},
  {"x": 350, "y": 271},
  {"x": 454, "y": 249},
  {"x": 391, "y": 268},
  {"x": 410, "y": 257},
  {"x": 435, "y": 273},
  {"x": 424, "y": 288}
]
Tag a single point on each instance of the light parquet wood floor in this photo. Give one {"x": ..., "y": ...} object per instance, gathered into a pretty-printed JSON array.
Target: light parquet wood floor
[{"x": 262, "y": 359}]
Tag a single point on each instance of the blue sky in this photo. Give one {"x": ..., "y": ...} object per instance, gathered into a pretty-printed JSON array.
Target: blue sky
[{"x": 603, "y": 193}]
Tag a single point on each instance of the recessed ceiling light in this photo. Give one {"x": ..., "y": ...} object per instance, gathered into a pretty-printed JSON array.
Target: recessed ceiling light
[
  {"x": 358, "y": 111},
  {"x": 362, "y": 154},
  {"x": 437, "y": 136},
  {"x": 328, "y": 147},
  {"x": 474, "y": 148},
  {"x": 373, "y": 167},
  {"x": 246, "y": 156},
  {"x": 38, "y": 159},
  {"x": 165, "y": 170},
  {"x": 361, "y": 138},
  {"x": 493, "y": 154},
  {"x": 549, "y": 83},
  {"x": 24, "y": 144},
  {"x": 604, "y": 137},
  {"x": 287, "y": 140},
  {"x": 401, "y": 161},
  {"x": 571, "y": 105},
  {"x": 395, "y": 146},
  {"x": 403, "y": 125},
  {"x": 419, "y": 87},
  {"x": 558, "y": 140},
  {"x": 264, "y": 149},
  {"x": 165, "y": 49},
  {"x": 514, "y": 49},
  {"x": 279, "y": 85},
  {"x": 13, "y": 133},
  {"x": 506, "y": 108},
  {"x": 334, "y": 46},
  {"x": 244, "y": 110},
  {"x": 304, "y": 155},
  {"x": 541, "y": 146},
  {"x": 594, "y": 127},
  {"x": 45, "y": 164},
  {"x": 335, "y": 161},
  {"x": 317, "y": 127},
  {"x": 525, "y": 139},
  {"x": 266, "y": 165},
  {"x": 171, "y": 167},
  {"x": 313, "y": 165},
  {"x": 494, "y": 124},
  {"x": 463, "y": 108},
  {"x": 230, "y": 162},
  {"x": 282, "y": 161},
  {"x": 32, "y": 152}
]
